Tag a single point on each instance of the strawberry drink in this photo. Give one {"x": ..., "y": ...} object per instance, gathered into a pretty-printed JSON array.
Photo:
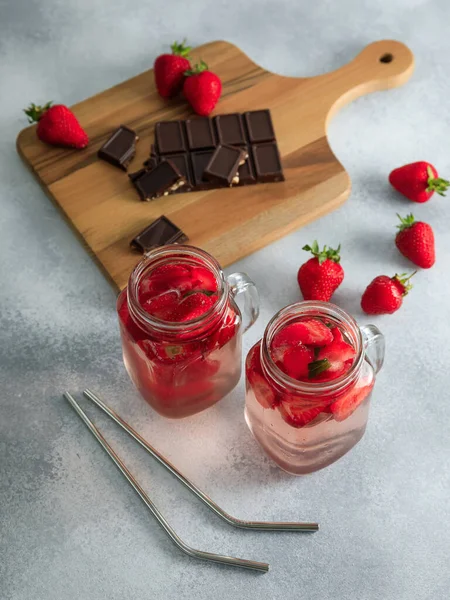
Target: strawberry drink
[
  {"x": 181, "y": 329},
  {"x": 309, "y": 382}
]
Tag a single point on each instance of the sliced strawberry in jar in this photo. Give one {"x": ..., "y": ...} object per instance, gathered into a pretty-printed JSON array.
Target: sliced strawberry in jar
[
  {"x": 168, "y": 353},
  {"x": 203, "y": 279},
  {"x": 311, "y": 332},
  {"x": 333, "y": 360},
  {"x": 346, "y": 405},
  {"x": 298, "y": 414},
  {"x": 164, "y": 278},
  {"x": 256, "y": 380},
  {"x": 193, "y": 306},
  {"x": 163, "y": 305},
  {"x": 295, "y": 361}
]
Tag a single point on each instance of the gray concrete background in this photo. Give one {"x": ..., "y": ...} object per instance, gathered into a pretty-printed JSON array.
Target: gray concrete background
[{"x": 70, "y": 527}]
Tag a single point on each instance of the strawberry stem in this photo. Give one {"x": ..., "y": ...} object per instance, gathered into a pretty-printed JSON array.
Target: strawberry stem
[
  {"x": 318, "y": 366},
  {"x": 35, "y": 113},
  {"x": 196, "y": 69},
  {"x": 323, "y": 255},
  {"x": 436, "y": 184},
  {"x": 404, "y": 278},
  {"x": 181, "y": 49},
  {"x": 406, "y": 222}
]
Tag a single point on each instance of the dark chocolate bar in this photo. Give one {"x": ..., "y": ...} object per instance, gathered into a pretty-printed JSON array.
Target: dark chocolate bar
[
  {"x": 159, "y": 181},
  {"x": 120, "y": 149},
  {"x": 190, "y": 145},
  {"x": 224, "y": 164},
  {"x": 267, "y": 163},
  {"x": 160, "y": 233}
]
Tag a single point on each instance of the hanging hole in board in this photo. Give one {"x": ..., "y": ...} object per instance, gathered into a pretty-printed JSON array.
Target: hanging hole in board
[{"x": 386, "y": 58}]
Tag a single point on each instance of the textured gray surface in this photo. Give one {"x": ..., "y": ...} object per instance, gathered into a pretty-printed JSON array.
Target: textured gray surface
[{"x": 69, "y": 526}]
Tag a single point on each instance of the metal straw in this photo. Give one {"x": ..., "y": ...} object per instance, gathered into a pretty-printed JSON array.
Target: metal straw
[
  {"x": 218, "y": 558},
  {"x": 260, "y": 525}
]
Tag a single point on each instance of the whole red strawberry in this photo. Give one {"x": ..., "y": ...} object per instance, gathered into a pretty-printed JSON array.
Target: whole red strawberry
[
  {"x": 202, "y": 89},
  {"x": 384, "y": 295},
  {"x": 415, "y": 240},
  {"x": 169, "y": 70},
  {"x": 418, "y": 181},
  {"x": 57, "y": 125},
  {"x": 321, "y": 275}
]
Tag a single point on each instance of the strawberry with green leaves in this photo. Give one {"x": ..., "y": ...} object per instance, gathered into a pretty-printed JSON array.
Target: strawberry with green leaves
[
  {"x": 384, "y": 295},
  {"x": 321, "y": 275},
  {"x": 57, "y": 125},
  {"x": 418, "y": 181},
  {"x": 169, "y": 70},
  {"x": 415, "y": 240},
  {"x": 202, "y": 89}
]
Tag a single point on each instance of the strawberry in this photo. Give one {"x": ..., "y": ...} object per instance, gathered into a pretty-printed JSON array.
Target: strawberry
[
  {"x": 384, "y": 295},
  {"x": 321, "y": 275},
  {"x": 298, "y": 414},
  {"x": 296, "y": 360},
  {"x": 193, "y": 306},
  {"x": 332, "y": 360},
  {"x": 169, "y": 70},
  {"x": 310, "y": 331},
  {"x": 203, "y": 279},
  {"x": 264, "y": 392},
  {"x": 346, "y": 404},
  {"x": 164, "y": 278},
  {"x": 57, "y": 125},
  {"x": 162, "y": 306},
  {"x": 415, "y": 240},
  {"x": 418, "y": 181},
  {"x": 202, "y": 89}
]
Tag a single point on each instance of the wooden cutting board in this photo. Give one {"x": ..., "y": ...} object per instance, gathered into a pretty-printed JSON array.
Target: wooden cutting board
[{"x": 101, "y": 204}]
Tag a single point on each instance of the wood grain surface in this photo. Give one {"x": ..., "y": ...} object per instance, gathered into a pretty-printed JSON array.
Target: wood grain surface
[{"x": 102, "y": 205}]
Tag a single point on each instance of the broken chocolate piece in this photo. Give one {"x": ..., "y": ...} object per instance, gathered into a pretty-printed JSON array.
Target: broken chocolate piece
[
  {"x": 137, "y": 174},
  {"x": 120, "y": 149},
  {"x": 246, "y": 171},
  {"x": 169, "y": 137},
  {"x": 150, "y": 163},
  {"x": 200, "y": 133},
  {"x": 230, "y": 129},
  {"x": 259, "y": 126},
  {"x": 160, "y": 233},
  {"x": 224, "y": 164},
  {"x": 267, "y": 163},
  {"x": 159, "y": 181},
  {"x": 181, "y": 162}
]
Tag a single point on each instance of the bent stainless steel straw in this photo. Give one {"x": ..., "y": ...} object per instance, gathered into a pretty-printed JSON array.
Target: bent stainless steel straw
[
  {"x": 218, "y": 558},
  {"x": 260, "y": 525}
]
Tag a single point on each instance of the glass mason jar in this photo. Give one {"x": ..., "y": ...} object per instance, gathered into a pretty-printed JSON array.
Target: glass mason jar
[
  {"x": 343, "y": 402},
  {"x": 182, "y": 368}
]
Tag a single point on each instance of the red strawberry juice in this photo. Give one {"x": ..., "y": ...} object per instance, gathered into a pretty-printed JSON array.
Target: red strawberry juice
[
  {"x": 181, "y": 331},
  {"x": 308, "y": 387}
]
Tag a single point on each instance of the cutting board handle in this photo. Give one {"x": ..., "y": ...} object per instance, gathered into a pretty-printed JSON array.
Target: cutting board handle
[{"x": 380, "y": 66}]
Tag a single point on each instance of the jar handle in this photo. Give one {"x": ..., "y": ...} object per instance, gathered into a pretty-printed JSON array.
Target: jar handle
[
  {"x": 240, "y": 283},
  {"x": 373, "y": 345}
]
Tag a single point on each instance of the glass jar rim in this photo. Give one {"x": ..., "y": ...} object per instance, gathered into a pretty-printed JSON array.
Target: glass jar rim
[
  {"x": 163, "y": 255},
  {"x": 312, "y": 308}
]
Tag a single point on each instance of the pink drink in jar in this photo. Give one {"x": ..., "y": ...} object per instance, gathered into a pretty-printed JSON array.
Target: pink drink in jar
[
  {"x": 181, "y": 329},
  {"x": 309, "y": 383}
]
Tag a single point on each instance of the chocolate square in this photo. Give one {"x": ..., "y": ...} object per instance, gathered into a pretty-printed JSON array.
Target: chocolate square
[
  {"x": 230, "y": 129},
  {"x": 267, "y": 163},
  {"x": 120, "y": 149},
  {"x": 169, "y": 137},
  {"x": 159, "y": 181},
  {"x": 199, "y": 162},
  {"x": 200, "y": 134},
  {"x": 259, "y": 126},
  {"x": 160, "y": 233},
  {"x": 224, "y": 164}
]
